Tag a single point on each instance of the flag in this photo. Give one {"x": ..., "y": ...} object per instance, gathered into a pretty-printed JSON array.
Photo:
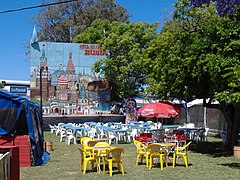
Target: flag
[
  {"x": 34, "y": 36},
  {"x": 70, "y": 34},
  {"x": 104, "y": 33}
]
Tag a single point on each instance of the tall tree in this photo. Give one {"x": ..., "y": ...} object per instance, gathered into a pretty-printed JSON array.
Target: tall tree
[
  {"x": 200, "y": 51},
  {"x": 55, "y": 21},
  {"x": 224, "y": 7},
  {"x": 125, "y": 63}
]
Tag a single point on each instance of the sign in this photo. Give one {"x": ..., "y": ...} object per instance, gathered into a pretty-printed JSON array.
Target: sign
[
  {"x": 18, "y": 89},
  {"x": 131, "y": 110},
  {"x": 92, "y": 50},
  {"x": 64, "y": 72}
]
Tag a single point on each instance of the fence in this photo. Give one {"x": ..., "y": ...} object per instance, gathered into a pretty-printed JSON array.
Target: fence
[
  {"x": 5, "y": 166},
  {"x": 201, "y": 116}
]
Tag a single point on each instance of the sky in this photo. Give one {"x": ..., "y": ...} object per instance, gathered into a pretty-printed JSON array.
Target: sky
[{"x": 17, "y": 27}]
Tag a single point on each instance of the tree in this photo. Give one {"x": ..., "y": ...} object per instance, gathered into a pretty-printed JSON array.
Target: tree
[
  {"x": 55, "y": 21},
  {"x": 199, "y": 50},
  {"x": 224, "y": 7},
  {"x": 125, "y": 63}
]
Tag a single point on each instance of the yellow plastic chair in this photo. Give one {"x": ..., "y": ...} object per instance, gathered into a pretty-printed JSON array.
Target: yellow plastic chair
[
  {"x": 100, "y": 151},
  {"x": 141, "y": 152},
  {"x": 84, "y": 140},
  {"x": 157, "y": 151},
  {"x": 91, "y": 143},
  {"x": 181, "y": 151},
  {"x": 114, "y": 156},
  {"x": 103, "y": 144},
  {"x": 85, "y": 159},
  {"x": 104, "y": 147}
]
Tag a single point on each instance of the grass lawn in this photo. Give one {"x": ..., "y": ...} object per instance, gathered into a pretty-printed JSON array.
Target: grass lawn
[{"x": 206, "y": 161}]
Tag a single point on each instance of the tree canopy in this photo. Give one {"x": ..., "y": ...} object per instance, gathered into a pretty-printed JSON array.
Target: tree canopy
[
  {"x": 224, "y": 7},
  {"x": 125, "y": 63},
  {"x": 198, "y": 52},
  {"x": 55, "y": 21}
]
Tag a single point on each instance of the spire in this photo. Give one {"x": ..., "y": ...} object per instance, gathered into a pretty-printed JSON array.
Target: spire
[
  {"x": 70, "y": 66},
  {"x": 43, "y": 58}
]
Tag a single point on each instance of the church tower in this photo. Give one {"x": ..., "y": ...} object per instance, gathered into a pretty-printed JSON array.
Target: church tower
[
  {"x": 70, "y": 66},
  {"x": 46, "y": 76}
]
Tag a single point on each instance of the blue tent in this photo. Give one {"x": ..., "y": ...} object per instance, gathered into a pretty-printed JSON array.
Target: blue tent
[{"x": 20, "y": 116}]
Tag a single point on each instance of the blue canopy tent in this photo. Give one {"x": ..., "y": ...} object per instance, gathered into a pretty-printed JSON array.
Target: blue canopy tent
[{"x": 20, "y": 116}]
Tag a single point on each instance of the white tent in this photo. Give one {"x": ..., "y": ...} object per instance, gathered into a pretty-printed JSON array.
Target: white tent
[{"x": 199, "y": 102}]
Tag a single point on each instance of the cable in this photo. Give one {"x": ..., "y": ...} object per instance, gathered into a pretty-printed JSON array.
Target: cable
[{"x": 32, "y": 7}]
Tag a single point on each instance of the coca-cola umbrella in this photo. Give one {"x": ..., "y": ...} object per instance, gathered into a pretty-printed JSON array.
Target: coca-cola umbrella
[{"x": 159, "y": 110}]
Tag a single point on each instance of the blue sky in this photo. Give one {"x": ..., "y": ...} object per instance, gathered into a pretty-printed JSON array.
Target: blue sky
[{"x": 16, "y": 29}]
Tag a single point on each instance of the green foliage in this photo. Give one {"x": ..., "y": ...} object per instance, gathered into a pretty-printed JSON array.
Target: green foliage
[
  {"x": 126, "y": 65},
  {"x": 94, "y": 33},
  {"x": 198, "y": 50}
]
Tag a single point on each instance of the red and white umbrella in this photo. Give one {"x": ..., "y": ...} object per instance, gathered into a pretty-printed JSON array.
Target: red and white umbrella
[{"x": 159, "y": 110}]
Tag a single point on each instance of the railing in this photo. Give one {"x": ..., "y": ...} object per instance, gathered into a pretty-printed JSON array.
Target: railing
[{"x": 5, "y": 166}]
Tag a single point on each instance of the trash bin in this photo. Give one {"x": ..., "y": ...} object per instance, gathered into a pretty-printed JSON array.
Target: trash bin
[
  {"x": 236, "y": 152},
  {"x": 48, "y": 146}
]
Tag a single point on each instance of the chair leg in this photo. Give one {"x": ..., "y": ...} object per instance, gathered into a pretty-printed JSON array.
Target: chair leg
[
  {"x": 147, "y": 162},
  {"x": 161, "y": 162},
  {"x": 141, "y": 158},
  {"x": 92, "y": 162},
  {"x": 174, "y": 160},
  {"x": 97, "y": 164},
  {"x": 81, "y": 166},
  {"x": 151, "y": 163},
  {"x": 110, "y": 168},
  {"x": 84, "y": 167},
  {"x": 185, "y": 161},
  {"x": 122, "y": 169},
  {"x": 104, "y": 165},
  {"x": 119, "y": 166},
  {"x": 166, "y": 161},
  {"x": 137, "y": 160}
]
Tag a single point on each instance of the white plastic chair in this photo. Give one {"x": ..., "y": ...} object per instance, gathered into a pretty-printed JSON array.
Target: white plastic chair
[
  {"x": 63, "y": 134},
  {"x": 52, "y": 128},
  {"x": 70, "y": 136},
  {"x": 199, "y": 135},
  {"x": 132, "y": 135},
  {"x": 91, "y": 133},
  {"x": 112, "y": 136}
]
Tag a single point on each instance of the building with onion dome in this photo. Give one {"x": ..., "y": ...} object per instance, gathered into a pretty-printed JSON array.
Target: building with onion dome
[{"x": 66, "y": 74}]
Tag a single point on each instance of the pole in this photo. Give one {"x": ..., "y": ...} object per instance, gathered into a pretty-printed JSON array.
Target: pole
[
  {"x": 205, "y": 117},
  {"x": 41, "y": 98},
  {"x": 186, "y": 100}
]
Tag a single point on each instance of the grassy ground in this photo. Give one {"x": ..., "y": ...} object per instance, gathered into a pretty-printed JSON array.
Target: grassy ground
[{"x": 206, "y": 161}]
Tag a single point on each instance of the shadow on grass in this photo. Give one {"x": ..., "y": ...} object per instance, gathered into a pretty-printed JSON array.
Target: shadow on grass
[
  {"x": 232, "y": 165},
  {"x": 213, "y": 149}
]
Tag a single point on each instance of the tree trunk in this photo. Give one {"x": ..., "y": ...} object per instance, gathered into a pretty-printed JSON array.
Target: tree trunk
[
  {"x": 232, "y": 115},
  {"x": 236, "y": 121}
]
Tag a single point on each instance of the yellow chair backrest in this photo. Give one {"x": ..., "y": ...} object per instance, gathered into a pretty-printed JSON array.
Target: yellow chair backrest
[
  {"x": 156, "y": 149},
  {"x": 140, "y": 146},
  {"x": 184, "y": 148},
  {"x": 103, "y": 144},
  {"x": 82, "y": 153},
  {"x": 115, "y": 154},
  {"x": 84, "y": 140},
  {"x": 91, "y": 143}
]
